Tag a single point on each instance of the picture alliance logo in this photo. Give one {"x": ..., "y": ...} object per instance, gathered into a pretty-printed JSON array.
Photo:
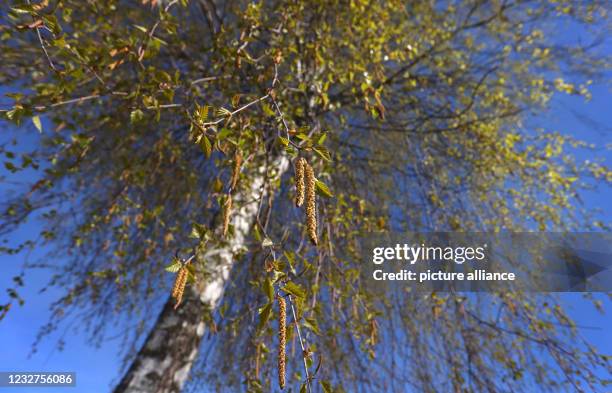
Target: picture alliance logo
[{"x": 415, "y": 253}]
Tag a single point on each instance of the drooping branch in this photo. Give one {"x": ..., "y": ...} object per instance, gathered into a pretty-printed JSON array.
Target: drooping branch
[{"x": 164, "y": 361}]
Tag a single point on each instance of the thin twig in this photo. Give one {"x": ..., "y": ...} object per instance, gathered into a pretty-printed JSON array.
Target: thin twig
[
  {"x": 71, "y": 101},
  {"x": 142, "y": 48},
  {"x": 164, "y": 106},
  {"x": 82, "y": 99},
  {"x": 211, "y": 123},
  {"x": 304, "y": 353},
  {"x": 44, "y": 48},
  {"x": 281, "y": 116},
  {"x": 42, "y": 44},
  {"x": 209, "y": 78},
  {"x": 278, "y": 110}
]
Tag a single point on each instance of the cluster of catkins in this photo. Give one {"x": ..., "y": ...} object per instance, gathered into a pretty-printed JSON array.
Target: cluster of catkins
[
  {"x": 305, "y": 192},
  {"x": 179, "y": 286},
  {"x": 227, "y": 206},
  {"x": 227, "y": 213},
  {"x": 282, "y": 340}
]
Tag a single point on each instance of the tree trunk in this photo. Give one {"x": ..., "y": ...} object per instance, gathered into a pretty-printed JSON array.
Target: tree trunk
[{"x": 165, "y": 359}]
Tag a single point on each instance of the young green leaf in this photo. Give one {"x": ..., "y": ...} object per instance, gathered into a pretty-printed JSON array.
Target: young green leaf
[
  {"x": 264, "y": 315},
  {"x": 174, "y": 266},
  {"x": 321, "y": 139},
  {"x": 37, "y": 123},
  {"x": 202, "y": 113},
  {"x": 206, "y": 146},
  {"x": 294, "y": 289},
  {"x": 198, "y": 231},
  {"x": 222, "y": 112},
  {"x": 322, "y": 152},
  {"x": 269, "y": 289},
  {"x": 323, "y": 189},
  {"x": 136, "y": 116},
  {"x": 312, "y": 324},
  {"x": 191, "y": 274},
  {"x": 326, "y": 387}
]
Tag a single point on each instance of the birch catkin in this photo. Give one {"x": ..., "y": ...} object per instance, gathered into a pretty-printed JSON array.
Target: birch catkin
[
  {"x": 236, "y": 170},
  {"x": 299, "y": 181},
  {"x": 227, "y": 213},
  {"x": 179, "y": 286},
  {"x": 282, "y": 340},
  {"x": 311, "y": 208}
]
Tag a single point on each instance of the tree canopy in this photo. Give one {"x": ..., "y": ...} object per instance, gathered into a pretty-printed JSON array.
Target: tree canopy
[{"x": 171, "y": 125}]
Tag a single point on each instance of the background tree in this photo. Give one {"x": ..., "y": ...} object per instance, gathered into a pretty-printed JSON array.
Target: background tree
[{"x": 172, "y": 125}]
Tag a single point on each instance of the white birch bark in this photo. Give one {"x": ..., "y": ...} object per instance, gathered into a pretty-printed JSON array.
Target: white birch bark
[{"x": 165, "y": 359}]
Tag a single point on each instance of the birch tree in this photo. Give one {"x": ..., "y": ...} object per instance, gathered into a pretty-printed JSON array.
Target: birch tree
[{"x": 169, "y": 138}]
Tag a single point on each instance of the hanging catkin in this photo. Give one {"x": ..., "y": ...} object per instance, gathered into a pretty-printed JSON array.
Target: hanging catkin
[
  {"x": 311, "y": 209},
  {"x": 282, "y": 340},
  {"x": 227, "y": 213},
  {"x": 236, "y": 170},
  {"x": 179, "y": 286},
  {"x": 299, "y": 181}
]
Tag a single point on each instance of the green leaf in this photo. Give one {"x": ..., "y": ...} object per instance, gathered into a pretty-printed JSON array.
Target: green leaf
[
  {"x": 174, "y": 266},
  {"x": 191, "y": 274},
  {"x": 37, "y": 123},
  {"x": 15, "y": 114},
  {"x": 206, "y": 146},
  {"x": 323, "y": 189},
  {"x": 316, "y": 371},
  {"x": 313, "y": 325},
  {"x": 222, "y": 112},
  {"x": 321, "y": 139},
  {"x": 141, "y": 28},
  {"x": 284, "y": 141},
  {"x": 52, "y": 24},
  {"x": 268, "y": 289},
  {"x": 267, "y": 109},
  {"x": 294, "y": 289},
  {"x": 326, "y": 387},
  {"x": 10, "y": 166},
  {"x": 136, "y": 116},
  {"x": 202, "y": 112},
  {"x": 217, "y": 185},
  {"x": 256, "y": 233},
  {"x": 198, "y": 231},
  {"x": 224, "y": 133},
  {"x": 323, "y": 153},
  {"x": 264, "y": 315},
  {"x": 267, "y": 242},
  {"x": 303, "y": 388},
  {"x": 23, "y": 9}
]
